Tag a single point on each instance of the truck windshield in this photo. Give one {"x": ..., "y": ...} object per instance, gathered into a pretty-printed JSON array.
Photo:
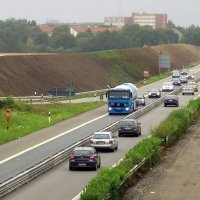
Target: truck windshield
[{"x": 118, "y": 94}]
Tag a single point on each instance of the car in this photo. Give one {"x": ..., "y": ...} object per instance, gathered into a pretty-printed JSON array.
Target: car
[
  {"x": 187, "y": 89},
  {"x": 190, "y": 76},
  {"x": 176, "y": 81},
  {"x": 141, "y": 99},
  {"x": 171, "y": 99},
  {"x": 194, "y": 85},
  {"x": 104, "y": 140},
  {"x": 184, "y": 71},
  {"x": 183, "y": 79},
  {"x": 84, "y": 157},
  {"x": 176, "y": 74},
  {"x": 167, "y": 87},
  {"x": 129, "y": 127},
  {"x": 154, "y": 93}
]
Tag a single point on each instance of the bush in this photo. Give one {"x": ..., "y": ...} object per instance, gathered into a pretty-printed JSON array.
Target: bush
[{"x": 106, "y": 182}]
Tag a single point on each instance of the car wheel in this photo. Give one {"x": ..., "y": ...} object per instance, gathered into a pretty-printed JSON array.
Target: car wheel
[
  {"x": 95, "y": 167},
  {"x": 113, "y": 149},
  {"x": 71, "y": 168},
  {"x": 116, "y": 147},
  {"x": 165, "y": 105},
  {"x": 193, "y": 93},
  {"x": 99, "y": 164},
  {"x": 119, "y": 134},
  {"x": 182, "y": 93}
]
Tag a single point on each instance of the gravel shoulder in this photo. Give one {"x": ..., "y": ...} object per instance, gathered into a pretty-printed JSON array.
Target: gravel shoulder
[{"x": 177, "y": 177}]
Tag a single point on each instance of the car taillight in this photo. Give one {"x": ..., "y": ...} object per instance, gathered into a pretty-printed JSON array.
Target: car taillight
[
  {"x": 71, "y": 158},
  {"x": 91, "y": 142},
  {"x": 110, "y": 141},
  {"x": 92, "y": 157}
]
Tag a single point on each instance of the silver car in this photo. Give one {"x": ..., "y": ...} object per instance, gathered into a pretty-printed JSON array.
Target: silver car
[{"x": 104, "y": 140}]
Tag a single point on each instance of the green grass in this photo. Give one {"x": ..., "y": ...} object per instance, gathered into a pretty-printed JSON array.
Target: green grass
[
  {"x": 36, "y": 117},
  {"x": 153, "y": 79},
  {"x": 109, "y": 54}
]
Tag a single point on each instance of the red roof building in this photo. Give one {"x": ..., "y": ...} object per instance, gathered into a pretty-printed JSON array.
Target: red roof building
[
  {"x": 45, "y": 28},
  {"x": 96, "y": 29}
]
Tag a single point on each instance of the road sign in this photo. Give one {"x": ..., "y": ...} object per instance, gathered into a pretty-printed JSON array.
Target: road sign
[
  {"x": 69, "y": 90},
  {"x": 164, "y": 61}
]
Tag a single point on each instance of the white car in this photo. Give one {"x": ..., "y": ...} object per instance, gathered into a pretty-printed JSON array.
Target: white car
[
  {"x": 167, "y": 87},
  {"x": 104, "y": 140},
  {"x": 187, "y": 89},
  {"x": 154, "y": 93}
]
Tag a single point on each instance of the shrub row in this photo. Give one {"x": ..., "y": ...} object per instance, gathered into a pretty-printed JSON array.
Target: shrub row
[{"x": 108, "y": 180}]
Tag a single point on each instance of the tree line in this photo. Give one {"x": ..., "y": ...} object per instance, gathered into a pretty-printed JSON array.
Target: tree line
[{"x": 26, "y": 36}]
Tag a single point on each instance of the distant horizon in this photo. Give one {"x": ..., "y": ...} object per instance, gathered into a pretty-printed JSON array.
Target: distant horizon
[{"x": 180, "y": 12}]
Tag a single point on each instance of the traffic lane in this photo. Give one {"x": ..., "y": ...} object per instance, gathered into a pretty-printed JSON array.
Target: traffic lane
[
  {"x": 68, "y": 184},
  {"x": 28, "y": 159}
]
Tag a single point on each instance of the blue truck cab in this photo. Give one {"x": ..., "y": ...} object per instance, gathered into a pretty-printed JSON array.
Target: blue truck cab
[{"x": 122, "y": 99}]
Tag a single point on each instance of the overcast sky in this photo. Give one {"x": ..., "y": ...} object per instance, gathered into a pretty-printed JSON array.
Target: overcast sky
[{"x": 181, "y": 12}]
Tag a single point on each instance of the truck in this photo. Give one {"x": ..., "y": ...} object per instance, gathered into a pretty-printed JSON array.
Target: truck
[{"x": 122, "y": 99}]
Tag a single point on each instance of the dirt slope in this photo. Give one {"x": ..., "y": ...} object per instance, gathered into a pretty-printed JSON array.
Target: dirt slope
[{"x": 26, "y": 74}]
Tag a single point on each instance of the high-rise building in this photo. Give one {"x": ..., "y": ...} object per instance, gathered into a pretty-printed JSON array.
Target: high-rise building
[
  {"x": 153, "y": 20},
  {"x": 143, "y": 19}
]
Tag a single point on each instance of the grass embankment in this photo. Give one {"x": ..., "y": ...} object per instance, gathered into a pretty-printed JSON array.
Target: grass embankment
[
  {"x": 109, "y": 182},
  {"x": 26, "y": 118}
]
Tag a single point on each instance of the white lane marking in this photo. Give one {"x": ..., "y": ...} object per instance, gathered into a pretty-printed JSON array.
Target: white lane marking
[{"x": 53, "y": 138}]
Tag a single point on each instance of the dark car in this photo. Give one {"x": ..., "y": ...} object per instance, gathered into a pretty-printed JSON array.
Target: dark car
[
  {"x": 184, "y": 71},
  {"x": 155, "y": 92},
  {"x": 84, "y": 157},
  {"x": 171, "y": 99},
  {"x": 129, "y": 127},
  {"x": 141, "y": 99},
  {"x": 183, "y": 79}
]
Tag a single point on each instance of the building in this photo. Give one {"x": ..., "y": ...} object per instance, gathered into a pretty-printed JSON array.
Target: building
[
  {"x": 117, "y": 21},
  {"x": 45, "y": 28},
  {"x": 143, "y": 19},
  {"x": 153, "y": 20},
  {"x": 94, "y": 29}
]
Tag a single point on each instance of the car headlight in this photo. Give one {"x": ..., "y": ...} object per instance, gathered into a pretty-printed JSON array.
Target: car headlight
[
  {"x": 109, "y": 108},
  {"x": 127, "y": 109}
]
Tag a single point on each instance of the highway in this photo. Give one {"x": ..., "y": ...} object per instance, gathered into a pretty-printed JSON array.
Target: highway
[{"x": 60, "y": 183}]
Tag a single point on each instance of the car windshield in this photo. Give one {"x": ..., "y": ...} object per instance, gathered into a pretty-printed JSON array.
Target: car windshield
[
  {"x": 127, "y": 123},
  {"x": 140, "y": 96},
  {"x": 167, "y": 83},
  {"x": 154, "y": 90},
  {"x": 101, "y": 136},
  {"x": 170, "y": 97},
  {"x": 82, "y": 152}
]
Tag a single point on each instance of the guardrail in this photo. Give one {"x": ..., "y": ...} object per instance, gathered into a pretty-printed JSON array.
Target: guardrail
[{"x": 40, "y": 168}]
